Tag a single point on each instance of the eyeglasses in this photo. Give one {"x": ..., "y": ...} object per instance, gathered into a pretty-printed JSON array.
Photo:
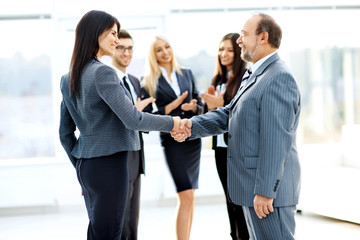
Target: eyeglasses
[{"x": 123, "y": 49}]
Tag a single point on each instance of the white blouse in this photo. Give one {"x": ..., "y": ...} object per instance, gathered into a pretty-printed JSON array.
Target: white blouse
[
  {"x": 220, "y": 141},
  {"x": 174, "y": 84}
]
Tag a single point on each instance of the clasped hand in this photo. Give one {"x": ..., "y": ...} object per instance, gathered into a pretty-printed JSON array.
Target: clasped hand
[{"x": 182, "y": 129}]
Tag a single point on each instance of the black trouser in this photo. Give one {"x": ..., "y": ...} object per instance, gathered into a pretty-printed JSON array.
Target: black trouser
[
  {"x": 131, "y": 219},
  {"x": 104, "y": 182},
  {"x": 236, "y": 215}
]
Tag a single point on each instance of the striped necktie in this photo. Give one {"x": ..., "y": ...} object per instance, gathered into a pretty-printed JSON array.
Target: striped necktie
[
  {"x": 246, "y": 77},
  {"x": 243, "y": 83}
]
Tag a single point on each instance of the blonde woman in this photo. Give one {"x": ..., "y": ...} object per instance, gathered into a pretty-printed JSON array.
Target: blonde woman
[{"x": 175, "y": 91}]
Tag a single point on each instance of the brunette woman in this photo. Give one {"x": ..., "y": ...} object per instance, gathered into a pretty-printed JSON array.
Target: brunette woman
[
  {"x": 228, "y": 74},
  {"x": 97, "y": 104}
]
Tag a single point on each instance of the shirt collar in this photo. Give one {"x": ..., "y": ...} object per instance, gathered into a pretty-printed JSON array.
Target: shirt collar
[
  {"x": 163, "y": 71},
  {"x": 256, "y": 65},
  {"x": 120, "y": 73}
]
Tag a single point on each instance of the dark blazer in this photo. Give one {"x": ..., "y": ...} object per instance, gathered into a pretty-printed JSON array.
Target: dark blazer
[
  {"x": 261, "y": 120},
  {"x": 136, "y": 84},
  {"x": 107, "y": 120},
  {"x": 165, "y": 95}
]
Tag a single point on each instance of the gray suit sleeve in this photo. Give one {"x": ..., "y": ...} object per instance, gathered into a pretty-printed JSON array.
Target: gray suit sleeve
[
  {"x": 279, "y": 109},
  {"x": 110, "y": 90},
  {"x": 67, "y": 132},
  {"x": 212, "y": 123}
]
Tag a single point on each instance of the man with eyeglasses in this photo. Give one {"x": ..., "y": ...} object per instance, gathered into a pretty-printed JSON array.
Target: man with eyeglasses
[{"x": 121, "y": 60}]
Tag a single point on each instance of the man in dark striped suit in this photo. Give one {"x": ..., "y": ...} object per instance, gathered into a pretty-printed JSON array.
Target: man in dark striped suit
[
  {"x": 136, "y": 164},
  {"x": 262, "y": 119}
]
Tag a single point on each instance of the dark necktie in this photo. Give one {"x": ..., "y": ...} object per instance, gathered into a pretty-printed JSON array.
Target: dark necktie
[
  {"x": 245, "y": 78},
  {"x": 243, "y": 83},
  {"x": 128, "y": 88}
]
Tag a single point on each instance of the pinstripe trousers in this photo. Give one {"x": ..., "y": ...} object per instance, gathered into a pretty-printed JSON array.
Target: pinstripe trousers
[{"x": 278, "y": 225}]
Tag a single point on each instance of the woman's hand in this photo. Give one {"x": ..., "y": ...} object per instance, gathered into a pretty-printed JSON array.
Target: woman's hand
[
  {"x": 174, "y": 104},
  {"x": 213, "y": 101},
  {"x": 141, "y": 104},
  {"x": 191, "y": 106}
]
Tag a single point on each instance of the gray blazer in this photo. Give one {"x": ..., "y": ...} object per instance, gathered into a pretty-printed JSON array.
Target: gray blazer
[
  {"x": 104, "y": 115},
  {"x": 261, "y": 120}
]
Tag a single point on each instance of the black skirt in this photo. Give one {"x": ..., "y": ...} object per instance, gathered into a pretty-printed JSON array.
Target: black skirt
[{"x": 183, "y": 160}]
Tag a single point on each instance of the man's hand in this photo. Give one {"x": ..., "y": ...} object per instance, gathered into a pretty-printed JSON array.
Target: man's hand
[
  {"x": 183, "y": 131},
  {"x": 211, "y": 100},
  {"x": 263, "y": 206},
  {"x": 141, "y": 104},
  {"x": 174, "y": 104}
]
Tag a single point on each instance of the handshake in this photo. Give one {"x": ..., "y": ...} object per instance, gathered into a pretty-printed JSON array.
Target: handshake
[{"x": 182, "y": 129}]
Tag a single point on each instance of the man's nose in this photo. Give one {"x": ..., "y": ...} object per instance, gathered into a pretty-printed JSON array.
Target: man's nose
[{"x": 239, "y": 40}]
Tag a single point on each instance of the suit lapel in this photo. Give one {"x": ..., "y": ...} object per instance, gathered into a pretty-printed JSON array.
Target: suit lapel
[
  {"x": 127, "y": 93},
  {"x": 182, "y": 81},
  {"x": 165, "y": 87},
  {"x": 135, "y": 84},
  {"x": 253, "y": 78}
]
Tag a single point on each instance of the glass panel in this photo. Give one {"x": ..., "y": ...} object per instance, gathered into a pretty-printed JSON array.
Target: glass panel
[{"x": 26, "y": 110}]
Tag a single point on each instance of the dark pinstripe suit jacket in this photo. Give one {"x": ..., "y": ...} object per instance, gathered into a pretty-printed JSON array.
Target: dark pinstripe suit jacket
[
  {"x": 136, "y": 84},
  {"x": 261, "y": 120},
  {"x": 104, "y": 114}
]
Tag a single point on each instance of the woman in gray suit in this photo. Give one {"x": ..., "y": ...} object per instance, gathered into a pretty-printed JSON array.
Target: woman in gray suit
[{"x": 96, "y": 103}]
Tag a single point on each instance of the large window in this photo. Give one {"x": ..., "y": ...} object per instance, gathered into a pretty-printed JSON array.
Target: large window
[{"x": 26, "y": 109}]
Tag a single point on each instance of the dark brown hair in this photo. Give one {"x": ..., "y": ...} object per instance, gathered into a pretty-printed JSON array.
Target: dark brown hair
[
  {"x": 268, "y": 24},
  {"x": 238, "y": 70},
  {"x": 124, "y": 34},
  {"x": 86, "y": 46}
]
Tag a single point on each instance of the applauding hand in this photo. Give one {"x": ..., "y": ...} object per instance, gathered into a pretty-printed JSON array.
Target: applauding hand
[
  {"x": 213, "y": 101},
  {"x": 191, "y": 106},
  {"x": 141, "y": 104},
  {"x": 174, "y": 104}
]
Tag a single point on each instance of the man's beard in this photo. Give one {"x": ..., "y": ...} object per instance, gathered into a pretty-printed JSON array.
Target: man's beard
[{"x": 246, "y": 55}]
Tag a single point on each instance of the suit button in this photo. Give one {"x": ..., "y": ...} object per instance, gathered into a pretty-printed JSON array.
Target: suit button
[
  {"x": 229, "y": 135},
  {"x": 182, "y": 113},
  {"x": 230, "y": 115}
]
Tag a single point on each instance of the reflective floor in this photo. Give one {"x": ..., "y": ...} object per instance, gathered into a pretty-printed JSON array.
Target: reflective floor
[{"x": 157, "y": 223}]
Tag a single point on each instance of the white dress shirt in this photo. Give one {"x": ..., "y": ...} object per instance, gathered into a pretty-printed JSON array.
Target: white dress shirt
[
  {"x": 259, "y": 62},
  {"x": 132, "y": 89}
]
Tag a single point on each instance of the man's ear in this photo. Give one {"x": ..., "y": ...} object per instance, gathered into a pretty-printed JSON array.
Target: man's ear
[{"x": 264, "y": 37}]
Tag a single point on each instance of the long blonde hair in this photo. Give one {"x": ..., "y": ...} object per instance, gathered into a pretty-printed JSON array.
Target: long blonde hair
[{"x": 153, "y": 73}]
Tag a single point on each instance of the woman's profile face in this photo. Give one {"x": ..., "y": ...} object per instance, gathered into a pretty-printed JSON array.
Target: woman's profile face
[
  {"x": 108, "y": 40},
  {"x": 226, "y": 54},
  {"x": 163, "y": 52}
]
